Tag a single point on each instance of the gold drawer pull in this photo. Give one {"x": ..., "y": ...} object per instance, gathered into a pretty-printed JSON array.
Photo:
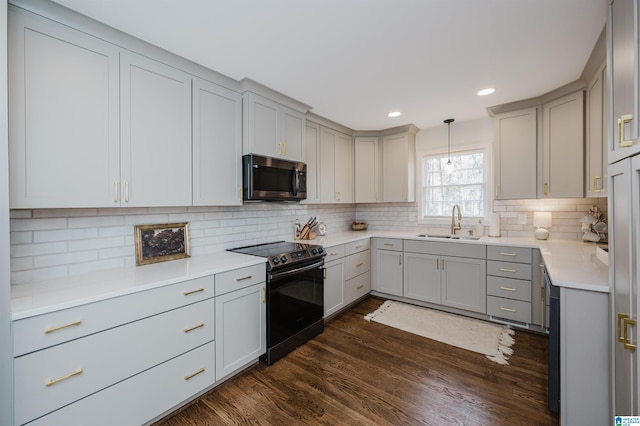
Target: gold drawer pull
[
  {"x": 627, "y": 341},
  {"x": 52, "y": 329},
  {"x": 508, "y": 270},
  {"x": 191, "y": 376},
  {"x": 334, "y": 253},
  {"x": 622, "y": 142},
  {"x": 359, "y": 264},
  {"x": 187, "y": 293},
  {"x": 357, "y": 247},
  {"x": 360, "y": 286},
  {"x": 621, "y": 317},
  {"x": 248, "y": 277},
  {"x": 507, "y": 254},
  {"x": 389, "y": 244},
  {"x": 63, "y": 378},
  {"x": 187, "y": 330},
  {"x": 502, "y": 308},
  {"x": 507, "y": 288}
]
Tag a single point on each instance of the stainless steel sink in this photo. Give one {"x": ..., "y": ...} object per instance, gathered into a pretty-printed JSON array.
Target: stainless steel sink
[{"x": 449, "y": 237}]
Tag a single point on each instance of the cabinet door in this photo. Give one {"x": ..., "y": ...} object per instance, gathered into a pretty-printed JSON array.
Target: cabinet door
[
  {"x": 596, "y": 148},
  {"x": 515, "y": 154},
  {"x": 464, "y": 283},
  {"x": 389, "y": 272},
  {"x": 563, "y": 147},
  {"x": 328, "y": 193},
  {"x": 64, "y": 148},
  {"x": 623, "y": 78},
  {"x": 333, "y": 287},
  {"x": 217, "y": 145},
  {"x": 312, "y": 154},
  {"x": 240, "y": 328},
  {"x": 292, "y": 131},
  {"x": 155, "y": 133},
  {"x": 398, "y": 168},
  {"x": 622, "y": 221},
  {"x": 344, "y": 168},
  {"x": 422, "y": 277},
  {"x": 261, "y": 126},
  {"x": 367, "y": 170}
]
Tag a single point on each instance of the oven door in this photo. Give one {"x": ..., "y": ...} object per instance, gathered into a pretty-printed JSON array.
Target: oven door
[{"x": 295, "y": 301}]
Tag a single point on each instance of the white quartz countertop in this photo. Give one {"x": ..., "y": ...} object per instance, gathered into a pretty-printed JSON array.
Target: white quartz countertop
[
  {"x": 570, "y": 263},
  {"x": 41, "y": 297}
]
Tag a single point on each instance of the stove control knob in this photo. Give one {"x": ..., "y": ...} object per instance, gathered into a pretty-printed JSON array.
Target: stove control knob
[
  {"x": 314, "y": 251},
  {"x": 283, "y": 259},
  {"x": 320, "y": 250},
  {"x": 275, "y": 260}
]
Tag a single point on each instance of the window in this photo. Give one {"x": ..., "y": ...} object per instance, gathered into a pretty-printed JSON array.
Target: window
[{"x": 465, "y": 185}]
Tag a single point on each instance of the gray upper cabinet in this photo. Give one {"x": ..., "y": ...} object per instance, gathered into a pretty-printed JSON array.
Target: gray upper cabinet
[
  {"x": 399, "y": 166},
  {"x": 622, "y": 49},
  {"x": 596, "y": 130},
  {"x": 515, "y": 154},
  {"x": 272, "y": 129},
  {"x": 155, "y": 133},
  {"x": 312, "y": 142},
  {"x": 217, "y": 145},
  {"x": 63, "y": 113},
  {"x": 336, "y": 166},
  {"x": 563, "y": 147},
  {"x": 367, "y": 169}
]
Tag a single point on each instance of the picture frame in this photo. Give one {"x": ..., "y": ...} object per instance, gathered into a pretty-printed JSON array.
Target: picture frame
[{"x": 161, "y": 243}]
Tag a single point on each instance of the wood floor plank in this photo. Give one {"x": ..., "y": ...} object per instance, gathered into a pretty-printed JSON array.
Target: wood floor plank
[{"x": 360, "y": 372}]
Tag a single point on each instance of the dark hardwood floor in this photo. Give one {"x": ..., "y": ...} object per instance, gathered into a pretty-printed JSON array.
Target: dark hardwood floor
[{"x": 360, "y": 372}]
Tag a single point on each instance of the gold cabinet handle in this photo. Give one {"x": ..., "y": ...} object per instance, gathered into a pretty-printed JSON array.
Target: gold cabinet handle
[
  {"x": 63, "y": 378},
  {"x": 60, "y": 327},
  {"x": 502, "y": 308},
  {"x": 621, "y": 317},
  {"x": 596, "y": 183},
  {"x": 389, "y": 244},
  {"x": 507, "y": 288},
  {"x": 188, "y": 330},
  {"x": 507, "y": 254},
  {"x": 360, "y": 286},
  {"x": 546, "y": 189},
  {"x": 191, "y": 376},
  {"x": 437, "y": 264},
  {"x": 248, "y": 277},
  {"x": 115, "y": 191},
  {"x": 264, "y": 290},
  {"x": 188, "y": 293},
  {"x": 622, "y": 142},
  {"x": 359, "y": 264},
  {"x": 627, "y": 342},
  {"x": 357, "y": 247},
  {"x": 508, "y": 270},
  {"x": 334, "y": 253}
]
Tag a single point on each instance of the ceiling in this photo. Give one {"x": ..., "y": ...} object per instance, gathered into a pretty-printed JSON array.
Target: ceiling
[{"x": 354, "y": 61}]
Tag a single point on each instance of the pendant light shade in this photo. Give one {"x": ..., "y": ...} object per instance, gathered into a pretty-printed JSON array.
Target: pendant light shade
[{"x": 448, "y": 168}]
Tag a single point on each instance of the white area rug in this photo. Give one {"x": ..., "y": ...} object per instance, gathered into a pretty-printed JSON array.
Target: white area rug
[{"x": 492, "y": 340}]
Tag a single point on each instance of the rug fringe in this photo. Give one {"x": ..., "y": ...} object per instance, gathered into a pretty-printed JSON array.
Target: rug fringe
[
  {"x": 378, "y": 311},
  {"x": 504, "y": 346}
]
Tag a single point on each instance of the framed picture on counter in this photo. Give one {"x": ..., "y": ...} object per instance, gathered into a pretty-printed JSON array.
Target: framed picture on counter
[{"x": 160, "y": 243}]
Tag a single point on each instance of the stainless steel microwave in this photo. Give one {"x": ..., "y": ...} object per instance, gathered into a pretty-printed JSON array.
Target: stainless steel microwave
[{"x": 273, "y": 179}]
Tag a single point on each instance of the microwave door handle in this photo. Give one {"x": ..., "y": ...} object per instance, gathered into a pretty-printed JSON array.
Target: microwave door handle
[{"x": 295, "y": 182}]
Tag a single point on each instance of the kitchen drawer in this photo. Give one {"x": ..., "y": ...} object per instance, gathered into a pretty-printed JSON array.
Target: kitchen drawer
[
  {"x": 105, "y": 358},
  {"x": 334, "y": 252},
  {"x": 357, "y": 264},
  {"x": 42, "y": 331},
  {"x": 520, "y": 271},
  {"x": 357, "y": 287},
  {"x": 240, "y": 278},
  {"x": 475, "y": 251},
  {"x": 357, "y": 246},
  {"x": 143, "y": 397},
  {"x": 387, "y": 244},
  {"x": 509, "y": 288},
  {"x": 509, "y": 254},
  {"x": 514, "y": 310}
]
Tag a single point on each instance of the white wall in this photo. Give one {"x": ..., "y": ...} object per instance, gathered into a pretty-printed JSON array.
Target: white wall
[{"x": 6, "y": 355}]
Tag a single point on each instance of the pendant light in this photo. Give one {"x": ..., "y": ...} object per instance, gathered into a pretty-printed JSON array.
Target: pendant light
[{"x": 448, "y": 168}]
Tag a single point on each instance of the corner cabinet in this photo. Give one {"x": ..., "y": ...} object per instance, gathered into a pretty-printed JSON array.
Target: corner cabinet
[
  {"x": 398, "y": 166},
  {"x": 367, "y": 169},
  {"x": 155, "y": 123},
  {"x": 64, "y": 136},
  {"x": 312, "y": 142},
  {"x": 563, "y": 147},
  {"x": 623, "y": 70},
  {"x": 515, "y": 154},
  {"x": 217, "y": 145},
  {"x": 336, "y": 166},
  {"x": 272, "y": 129}
]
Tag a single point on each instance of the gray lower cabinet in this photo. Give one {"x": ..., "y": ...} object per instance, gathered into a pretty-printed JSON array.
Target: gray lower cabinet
[
  {"x": 347, "y": 275},
  {"x": 464, "y": 283},
  {"x": 389, "y": 272},
  {"x": 422, "y": 277},
  {"x": 333, "y": 286}
]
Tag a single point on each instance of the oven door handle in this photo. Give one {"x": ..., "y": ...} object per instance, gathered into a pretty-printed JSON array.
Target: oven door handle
[{"x": 284, "y": 274}]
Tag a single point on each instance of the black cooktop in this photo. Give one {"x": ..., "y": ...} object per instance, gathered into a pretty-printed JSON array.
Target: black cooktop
[{"x": 280, "y": 254}]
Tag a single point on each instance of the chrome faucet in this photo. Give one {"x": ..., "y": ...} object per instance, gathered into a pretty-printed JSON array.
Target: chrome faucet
[{"x": 455, "y": 227}]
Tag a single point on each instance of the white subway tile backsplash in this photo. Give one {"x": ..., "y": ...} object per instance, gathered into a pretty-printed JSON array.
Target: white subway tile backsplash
[
  {"x": 64, "y": 235},
  {"x": 23, "y": 250},
  {"x": 97, "y": 243},
  {"x": 95, "y": 221},
  {"x": 38, "y": 224},
  {"x": 48, "y": 260}
]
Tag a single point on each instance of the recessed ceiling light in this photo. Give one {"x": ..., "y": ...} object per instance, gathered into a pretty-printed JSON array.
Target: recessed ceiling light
[
  {"x": 394, "y": 114},
  {"x": 485, "y": 92}
]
